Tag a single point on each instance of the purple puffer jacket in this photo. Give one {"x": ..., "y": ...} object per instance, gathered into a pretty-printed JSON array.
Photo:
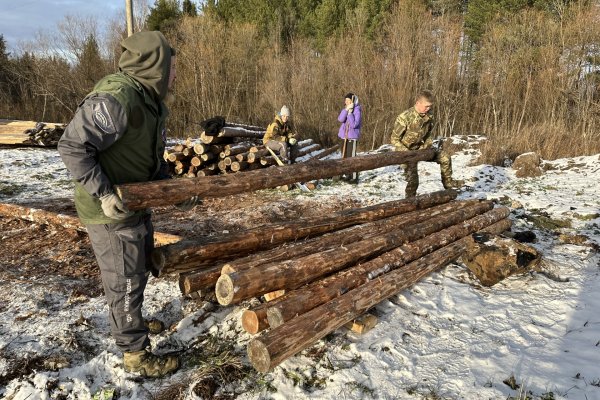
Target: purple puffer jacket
[{"x": 351, "y": 122}]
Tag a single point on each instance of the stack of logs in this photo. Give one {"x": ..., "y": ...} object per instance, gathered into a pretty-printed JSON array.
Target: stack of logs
[
  {"x": 219, "y": 154},
  {"x": 332, "y": 269},
  {"x": 44, "y": 135}
]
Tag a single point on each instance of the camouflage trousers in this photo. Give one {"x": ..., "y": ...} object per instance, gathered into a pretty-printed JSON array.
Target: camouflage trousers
[{"x": 411, "y": 173}]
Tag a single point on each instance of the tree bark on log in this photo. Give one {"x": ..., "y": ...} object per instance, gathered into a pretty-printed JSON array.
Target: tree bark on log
[
  {"x": 203, "y": 280},
  {"x": 232, "y": 132},
  {"x": 306, "y": 298},
  {"x": 291, "y": 274},
  {"x": 246, "y": 126},
  {"x": 308, "y": 149},
  {"x": 324, "y": 153},
  {"x": 188, "y": 255},
  {"x": 40, "y": 216},
  {"x": 340, "y": 238},
  {"x": 171, "y": 191},
  {"x": 327, "y": 241},
  {"x": 276, "y": 345}
]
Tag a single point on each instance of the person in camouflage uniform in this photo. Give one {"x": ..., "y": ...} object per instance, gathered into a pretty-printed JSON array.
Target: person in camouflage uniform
[
  {"x": 281, "y": 138},
  {"x": 118, "y": 136},
  {"x": 413, "y": 130}
]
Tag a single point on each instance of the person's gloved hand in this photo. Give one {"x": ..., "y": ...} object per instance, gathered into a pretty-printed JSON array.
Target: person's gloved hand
[
  {"x": 113, "y": 207},
  {"x": 292, "y": 141},
  {"x": 350, "y": 108},
  {"x": 188, "y": 204}
]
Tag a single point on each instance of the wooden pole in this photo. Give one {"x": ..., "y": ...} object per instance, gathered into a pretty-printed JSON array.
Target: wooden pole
[
  {"x": 308, "y": 297},
  {"x": 276, "y": 345},
  {"x": 165, "y": 192},
  {"x": 129, "y": 15},
  {"x": 190, "y": 254},
  {"x": 291, "y": 274}
]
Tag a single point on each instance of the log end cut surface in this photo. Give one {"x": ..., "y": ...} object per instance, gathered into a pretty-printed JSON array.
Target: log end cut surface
[
  {"x": 275, "y": 317},
  {"x": 224, "y": 290},
  {"x": 259, "y": 355},
  {"x": 250, "y": 321}
]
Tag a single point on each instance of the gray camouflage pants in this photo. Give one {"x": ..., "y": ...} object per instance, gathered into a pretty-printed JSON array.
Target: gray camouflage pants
[{"x": 123, "y": 254}]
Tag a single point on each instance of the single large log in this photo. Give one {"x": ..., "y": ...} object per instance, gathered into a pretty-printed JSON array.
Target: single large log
[
  {"x": 291, "y": 274},
  {"x": 276, "y": 345},
  {"x": 324, "y": 153},
  {"x": 308, "y": 149},
  {"x": 40, "y": 216},
  {"x": 202, "y": 280},
  {"x": 172, "y": 191},
  {"x": 255, "y": 320},
  {"x": 246, "y": 126},
  {"x": 306, "y": 298},
  {"x": 232, "y": 132},
  {"x": 189, "y": 254}
]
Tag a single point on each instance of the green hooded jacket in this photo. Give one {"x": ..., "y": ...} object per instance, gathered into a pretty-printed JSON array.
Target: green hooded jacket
[{"x": 118, "y": 133}]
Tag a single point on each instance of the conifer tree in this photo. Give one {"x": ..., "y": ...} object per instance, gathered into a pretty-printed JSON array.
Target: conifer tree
[{"x": 163, "y": 15}]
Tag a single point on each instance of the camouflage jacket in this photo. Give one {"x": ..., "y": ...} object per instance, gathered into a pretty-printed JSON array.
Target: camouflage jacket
[
  {"x": 413, "y": 131},
  {"x": 278, "y": 131}
]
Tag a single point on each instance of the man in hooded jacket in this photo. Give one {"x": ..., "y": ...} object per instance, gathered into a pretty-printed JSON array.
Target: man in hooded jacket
[{"x": 118, "y": 136}]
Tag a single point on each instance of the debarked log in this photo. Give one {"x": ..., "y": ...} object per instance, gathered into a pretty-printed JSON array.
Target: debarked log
[
  {"x": 310, "y": 296},
  {"x": 189, "y": 254},
  {"x": 172, "y": 191},
  {"x": 291, "y": 274},
  {"x": 276, "y": 345}
]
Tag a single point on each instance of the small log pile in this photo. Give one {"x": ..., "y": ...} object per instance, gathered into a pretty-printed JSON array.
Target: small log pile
[
  {"x": 30, "y": 133},
  {"x": 44, "y": 135},
  {"x": 235, "y": 148}
]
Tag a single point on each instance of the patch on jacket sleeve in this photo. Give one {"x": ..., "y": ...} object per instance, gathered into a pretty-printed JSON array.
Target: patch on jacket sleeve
[{"x": 102, "y": 118}]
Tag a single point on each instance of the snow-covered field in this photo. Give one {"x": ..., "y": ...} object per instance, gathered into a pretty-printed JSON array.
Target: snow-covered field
[{"x": 446, "y": 337}]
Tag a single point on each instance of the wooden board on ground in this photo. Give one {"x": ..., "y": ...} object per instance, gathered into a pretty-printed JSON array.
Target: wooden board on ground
[{"x": 362, "y": 324}]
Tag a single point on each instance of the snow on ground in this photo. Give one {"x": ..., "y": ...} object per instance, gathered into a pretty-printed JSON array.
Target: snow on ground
[{"x": 446, "y": 337}]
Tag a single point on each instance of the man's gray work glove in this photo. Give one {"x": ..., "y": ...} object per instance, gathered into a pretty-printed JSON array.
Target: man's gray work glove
[
  {"x": 113, "y": 207},
  {"x": 188, "y": 204},
  {"x": 292, "y": 141},
  {"x": 437, "y": 145}
]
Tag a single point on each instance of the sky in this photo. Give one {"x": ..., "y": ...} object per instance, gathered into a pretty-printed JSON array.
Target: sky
[{"x": 21, "y": 20}]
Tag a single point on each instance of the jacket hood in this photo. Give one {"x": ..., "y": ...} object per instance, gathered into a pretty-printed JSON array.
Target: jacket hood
[{"x": 146, "y": 57}]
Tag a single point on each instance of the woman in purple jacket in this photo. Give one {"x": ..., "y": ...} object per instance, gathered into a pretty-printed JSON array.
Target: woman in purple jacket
[{"x": 349, "y": 132}]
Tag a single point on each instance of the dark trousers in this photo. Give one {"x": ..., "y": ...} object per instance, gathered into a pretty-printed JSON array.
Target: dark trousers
[
  {"x": 123, "y": 254},
  {"x": 350, "y": 151}
]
